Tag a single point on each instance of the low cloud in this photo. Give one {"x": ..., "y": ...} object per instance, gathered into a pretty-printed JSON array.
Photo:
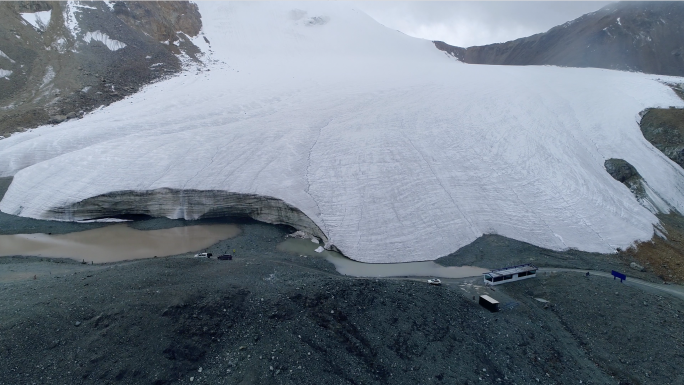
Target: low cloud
[{"x": 476, "y": 23}]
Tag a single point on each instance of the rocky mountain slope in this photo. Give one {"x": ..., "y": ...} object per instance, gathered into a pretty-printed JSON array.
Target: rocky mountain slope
[
  {"x": 59, "y": 60},
  {"x": 633, "y": 36}
]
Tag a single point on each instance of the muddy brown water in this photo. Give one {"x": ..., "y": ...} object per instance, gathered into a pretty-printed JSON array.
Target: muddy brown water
[{"x": 117, "y": 242}]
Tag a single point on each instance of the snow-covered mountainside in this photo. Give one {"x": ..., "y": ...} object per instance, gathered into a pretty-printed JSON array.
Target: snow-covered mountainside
[{"x": 395, "y": 150}]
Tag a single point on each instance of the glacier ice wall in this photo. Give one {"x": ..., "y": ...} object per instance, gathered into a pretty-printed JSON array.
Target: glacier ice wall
[{"x": 394, "y": 150}]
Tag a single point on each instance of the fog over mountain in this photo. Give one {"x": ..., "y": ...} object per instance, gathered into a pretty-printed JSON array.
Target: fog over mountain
[{"x": 474, "y": 23}]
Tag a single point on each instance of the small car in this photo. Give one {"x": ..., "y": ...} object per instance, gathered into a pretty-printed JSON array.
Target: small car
[
  {"x": 434, "y": 281},
  {"x": 203, "y": 255}
]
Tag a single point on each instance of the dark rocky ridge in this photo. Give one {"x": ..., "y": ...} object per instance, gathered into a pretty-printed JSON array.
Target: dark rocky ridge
[
  {"x": 623, "y": 172},
  {"x": 649, "y": 37},
  {"x": 86, "y": 75},
  {"x": 664, "y": 128}
]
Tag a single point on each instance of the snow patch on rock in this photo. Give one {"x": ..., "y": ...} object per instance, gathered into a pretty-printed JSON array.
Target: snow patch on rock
[
  {"x": 112, "y": 44},
  {"x": 48, "y": 77},
  {"x": 4, "y": 55},
  {"x": 60, "y": 45},
  {"x": 38, "y": 20},
  {"x": 78, "y": 4},
  {"x": 70, "y": 20}
]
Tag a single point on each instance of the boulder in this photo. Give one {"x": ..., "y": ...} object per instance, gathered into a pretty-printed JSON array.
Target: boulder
[
  {"x": 637, "y": 266},
  {"x": 57, "y": 119}
]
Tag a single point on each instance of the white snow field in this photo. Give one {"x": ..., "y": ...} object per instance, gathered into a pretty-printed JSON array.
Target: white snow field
[{"x": 395, "y": 150}]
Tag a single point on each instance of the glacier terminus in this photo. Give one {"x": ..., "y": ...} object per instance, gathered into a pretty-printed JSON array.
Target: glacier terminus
[{"x": 315, "y": 115}]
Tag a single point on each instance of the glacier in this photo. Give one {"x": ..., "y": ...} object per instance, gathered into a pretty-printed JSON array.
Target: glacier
[{"x": 395, "y": 151}]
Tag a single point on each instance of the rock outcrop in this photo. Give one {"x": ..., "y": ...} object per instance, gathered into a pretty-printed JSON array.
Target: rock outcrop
[
  {"x": 664, "y": 128},
  {"x": 623, "y": 172}
]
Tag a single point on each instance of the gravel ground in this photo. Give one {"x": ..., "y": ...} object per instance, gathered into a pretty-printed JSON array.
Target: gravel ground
[
  {"x": 630, "y": 334},
  {"x": 272, "y": 318}
]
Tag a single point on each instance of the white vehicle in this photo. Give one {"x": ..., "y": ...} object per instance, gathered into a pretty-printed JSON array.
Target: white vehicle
[
  {"x": 203, "y": 255},
  {"x": 510, "y": 274},
  {"x": 435, "y": 281}
]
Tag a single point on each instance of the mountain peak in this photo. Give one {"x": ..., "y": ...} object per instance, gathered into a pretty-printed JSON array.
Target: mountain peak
[{"x": 629, "y": 36}]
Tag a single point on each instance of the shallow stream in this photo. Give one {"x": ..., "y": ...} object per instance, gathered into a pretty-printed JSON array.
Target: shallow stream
[{"x": 346, "y": 266}]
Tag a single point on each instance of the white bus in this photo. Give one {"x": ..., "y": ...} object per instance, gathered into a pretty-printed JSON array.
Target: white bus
[{"x": 510, "y": 274}]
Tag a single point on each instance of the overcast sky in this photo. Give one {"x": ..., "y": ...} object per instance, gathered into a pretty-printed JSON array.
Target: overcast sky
[{"x": 468, "y": 23}]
